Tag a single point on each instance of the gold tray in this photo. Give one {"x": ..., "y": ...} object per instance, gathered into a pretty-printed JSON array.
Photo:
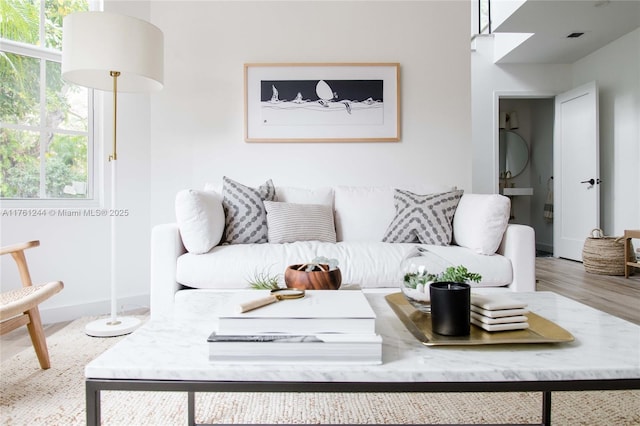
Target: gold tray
[{"x": 540, "y": 330}]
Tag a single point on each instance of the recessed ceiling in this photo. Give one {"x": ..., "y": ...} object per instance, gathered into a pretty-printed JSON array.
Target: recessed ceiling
[{"x": 551, "y": 22}]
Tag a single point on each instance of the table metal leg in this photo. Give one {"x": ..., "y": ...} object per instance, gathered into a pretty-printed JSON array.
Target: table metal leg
[
  {"x": 546, "y": 408},
  {"x": 93, "y": 404},
  {"x": 191, "y": 408}
]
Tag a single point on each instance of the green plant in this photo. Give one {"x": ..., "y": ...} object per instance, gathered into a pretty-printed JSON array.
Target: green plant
[
  {"x": 458, "y": 274},
  {"x": 263, "y": 280}
]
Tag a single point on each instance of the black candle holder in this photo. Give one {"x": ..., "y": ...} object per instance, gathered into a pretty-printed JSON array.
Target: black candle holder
[{"x": 450, "y": 308}]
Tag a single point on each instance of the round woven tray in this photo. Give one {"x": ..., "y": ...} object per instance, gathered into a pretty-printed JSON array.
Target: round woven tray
[{"x": 604, "y": 255}]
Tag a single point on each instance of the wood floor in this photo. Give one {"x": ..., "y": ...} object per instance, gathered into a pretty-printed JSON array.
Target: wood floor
[{"x": 615, "y": 295}]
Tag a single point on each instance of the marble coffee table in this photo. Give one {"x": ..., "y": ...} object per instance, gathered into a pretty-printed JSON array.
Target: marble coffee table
[{"x": 172, "y": 354}]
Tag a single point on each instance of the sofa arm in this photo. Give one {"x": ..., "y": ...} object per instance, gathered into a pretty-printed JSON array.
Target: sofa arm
[
  {"x": 166, "y": 247},
  {"x": 519, "y": 245}
]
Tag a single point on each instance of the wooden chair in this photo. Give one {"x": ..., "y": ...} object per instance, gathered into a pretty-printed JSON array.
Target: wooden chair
[{"x": 20, "y": 306}]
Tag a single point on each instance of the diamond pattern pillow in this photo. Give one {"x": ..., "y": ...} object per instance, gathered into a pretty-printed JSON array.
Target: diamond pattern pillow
[
  {"x": 245, "y": 215},
  {"x": 423, "y": 218}
]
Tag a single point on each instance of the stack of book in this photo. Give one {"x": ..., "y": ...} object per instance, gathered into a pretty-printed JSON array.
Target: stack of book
[
  {"x": 498, "y": 312},
  {"x": 323, "y": 326}
]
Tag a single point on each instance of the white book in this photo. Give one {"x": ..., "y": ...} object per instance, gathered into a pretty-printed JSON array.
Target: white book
[
  {"x": 279, "y": 348},
  {"x": 318, "y": 312}
]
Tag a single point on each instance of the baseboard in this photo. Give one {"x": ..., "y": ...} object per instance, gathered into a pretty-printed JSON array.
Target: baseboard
[{"x": 72, "y": 312}]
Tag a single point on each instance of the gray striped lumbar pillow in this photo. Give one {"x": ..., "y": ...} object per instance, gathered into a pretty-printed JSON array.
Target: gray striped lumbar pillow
[{"x": 289, "y": 222}]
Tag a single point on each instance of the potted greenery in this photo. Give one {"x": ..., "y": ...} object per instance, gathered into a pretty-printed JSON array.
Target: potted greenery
[
  {"x": 319, "y": 274},
  {"x": 416, "y": 282},
  {"x": 446, "y": 296}
]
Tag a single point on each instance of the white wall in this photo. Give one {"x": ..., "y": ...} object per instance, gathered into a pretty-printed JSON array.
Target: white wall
[
  {"x": 197, "y": 120},
  {"x": 191, "y": 132},
  {"x": 616, "y": 67}
]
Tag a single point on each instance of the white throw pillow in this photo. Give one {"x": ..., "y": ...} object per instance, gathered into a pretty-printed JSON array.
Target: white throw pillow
[
  {"x": 290, "y": 222},
  {"x": 480, "y": 222},
  {"x": 200, "y": 218}
]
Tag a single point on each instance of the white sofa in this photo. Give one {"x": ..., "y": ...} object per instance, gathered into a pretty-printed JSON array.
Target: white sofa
[{"x": 483, "y": 241}]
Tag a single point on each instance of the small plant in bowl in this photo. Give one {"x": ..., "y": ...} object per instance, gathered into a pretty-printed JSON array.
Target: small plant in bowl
[
  {"x": 319, "y": 274},
  {"x": 415, "y": 285}
]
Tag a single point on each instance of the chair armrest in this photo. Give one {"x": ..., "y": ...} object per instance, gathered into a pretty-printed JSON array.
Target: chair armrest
[
  {"x": 166, "y": 247},
  {"x": 519, "y": 245}
]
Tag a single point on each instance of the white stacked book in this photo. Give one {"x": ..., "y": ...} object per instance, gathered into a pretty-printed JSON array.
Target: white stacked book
[
  {"x": 498, "y": 312},
  {"x": 323, "y": 326}
]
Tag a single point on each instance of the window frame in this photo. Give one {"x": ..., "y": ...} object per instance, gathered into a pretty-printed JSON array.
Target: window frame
[{"x": 93, "y": 197}]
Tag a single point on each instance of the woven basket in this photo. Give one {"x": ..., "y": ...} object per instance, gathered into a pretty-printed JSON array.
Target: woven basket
[{"x": 604, "y": 255}]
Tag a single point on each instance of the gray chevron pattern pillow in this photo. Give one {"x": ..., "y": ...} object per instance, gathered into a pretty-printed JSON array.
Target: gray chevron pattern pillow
[
  {"x": 244, "y": 212},
  {"x": 423, "y": 218}
]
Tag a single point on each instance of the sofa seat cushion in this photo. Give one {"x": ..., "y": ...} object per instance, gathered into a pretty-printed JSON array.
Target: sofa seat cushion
[{"x": 368, "y": 264}]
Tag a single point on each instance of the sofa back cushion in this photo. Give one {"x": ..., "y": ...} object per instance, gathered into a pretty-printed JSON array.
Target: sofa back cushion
[
  {"x": 480, "y": 221},
  {"x": 363, "y": 213},
  {"x": 290, "y": 194},
  {"x": 200, "y": 218}
]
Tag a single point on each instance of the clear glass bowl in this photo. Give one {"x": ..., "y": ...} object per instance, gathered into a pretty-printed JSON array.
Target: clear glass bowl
[{"x": 418, "y": 297}]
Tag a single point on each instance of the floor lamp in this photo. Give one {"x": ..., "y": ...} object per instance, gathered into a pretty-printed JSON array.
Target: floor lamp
[{"x": 112, "y": 52}]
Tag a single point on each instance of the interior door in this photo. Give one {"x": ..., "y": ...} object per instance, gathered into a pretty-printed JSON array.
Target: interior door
[{"x": 576, "y": 169}]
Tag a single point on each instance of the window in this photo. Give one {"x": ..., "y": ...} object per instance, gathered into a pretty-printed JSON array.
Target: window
[{"x": 46, "y": 140}]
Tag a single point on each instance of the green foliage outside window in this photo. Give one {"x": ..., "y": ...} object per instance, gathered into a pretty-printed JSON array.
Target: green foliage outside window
[{"x": 36, "y": 142}]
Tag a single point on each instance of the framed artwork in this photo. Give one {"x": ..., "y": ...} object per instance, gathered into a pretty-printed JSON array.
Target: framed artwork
[{"x": 357, "y": 102}]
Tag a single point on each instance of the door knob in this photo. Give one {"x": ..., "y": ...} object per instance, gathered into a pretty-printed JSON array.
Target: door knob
[{"x": 591, "y": 181}]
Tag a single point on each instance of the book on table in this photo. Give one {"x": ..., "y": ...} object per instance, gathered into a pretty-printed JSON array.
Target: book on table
[
  {"x": 323, "y": 326},
  {"x": 342, "y": 348},
  {"x": 318, "y": 312}
]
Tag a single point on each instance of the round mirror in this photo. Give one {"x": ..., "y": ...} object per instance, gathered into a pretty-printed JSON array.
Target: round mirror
[{"x": 514, "y": 153}]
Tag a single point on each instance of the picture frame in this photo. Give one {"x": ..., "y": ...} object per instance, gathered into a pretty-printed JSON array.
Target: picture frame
[{"x": 322, "y": 102}]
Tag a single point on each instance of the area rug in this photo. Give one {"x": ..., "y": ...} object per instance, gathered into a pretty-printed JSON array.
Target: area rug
[{"x": 31, "y": 396}]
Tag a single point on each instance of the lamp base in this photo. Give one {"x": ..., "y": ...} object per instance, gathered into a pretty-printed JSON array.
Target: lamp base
[{"x": 105, "y": 328}]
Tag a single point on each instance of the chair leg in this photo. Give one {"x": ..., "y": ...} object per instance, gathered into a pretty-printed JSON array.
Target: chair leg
[{"x": 37, "y": 338}]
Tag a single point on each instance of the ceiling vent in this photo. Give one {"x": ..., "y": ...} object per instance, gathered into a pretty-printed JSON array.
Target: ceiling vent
[{"x": 575, "y": 35}]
